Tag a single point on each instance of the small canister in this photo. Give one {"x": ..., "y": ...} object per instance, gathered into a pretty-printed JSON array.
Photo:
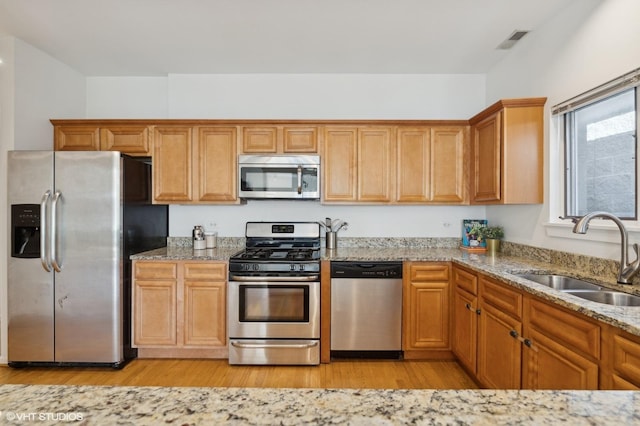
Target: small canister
[
  {"x": 211, "y": 239},
  {"x": 331, "y": 240},
  {"x": 198, "y": 238}
]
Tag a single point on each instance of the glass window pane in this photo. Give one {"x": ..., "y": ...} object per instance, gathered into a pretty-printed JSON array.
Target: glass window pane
[{"x": 601, "y": 157}]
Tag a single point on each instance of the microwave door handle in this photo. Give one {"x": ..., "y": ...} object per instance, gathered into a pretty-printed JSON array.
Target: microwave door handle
[
  {"x": 45, "y": 256},
  {"x": 299, "y": 179}
]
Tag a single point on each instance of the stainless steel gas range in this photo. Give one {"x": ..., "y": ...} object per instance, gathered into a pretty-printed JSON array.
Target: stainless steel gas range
[{"x": 274, "y": 295}]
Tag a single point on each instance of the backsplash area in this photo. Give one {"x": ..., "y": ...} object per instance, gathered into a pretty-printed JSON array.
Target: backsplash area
[{"x": 587, "y": 265}]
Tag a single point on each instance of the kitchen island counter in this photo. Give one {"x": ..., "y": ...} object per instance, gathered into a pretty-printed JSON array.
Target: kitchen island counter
[{"x": 93, "y": 405}]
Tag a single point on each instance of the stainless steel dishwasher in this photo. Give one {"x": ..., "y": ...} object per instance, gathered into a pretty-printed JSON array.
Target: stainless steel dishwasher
[{"x": 366, "y": 309}]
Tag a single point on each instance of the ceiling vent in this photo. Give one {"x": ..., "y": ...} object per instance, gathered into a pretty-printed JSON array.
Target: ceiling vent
[{"x": 512, "y": 39}]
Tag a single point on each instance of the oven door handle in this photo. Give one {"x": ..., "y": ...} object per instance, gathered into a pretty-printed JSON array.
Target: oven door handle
[
  {"x": 276, "y": 345},
  {"x": 255, "y": 279}
]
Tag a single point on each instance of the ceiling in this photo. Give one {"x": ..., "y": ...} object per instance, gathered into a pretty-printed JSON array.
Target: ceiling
[{"x": 160, "y": 37}]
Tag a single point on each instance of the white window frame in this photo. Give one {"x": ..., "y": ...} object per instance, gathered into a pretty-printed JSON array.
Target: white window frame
[{"x": 558, "y": 225}]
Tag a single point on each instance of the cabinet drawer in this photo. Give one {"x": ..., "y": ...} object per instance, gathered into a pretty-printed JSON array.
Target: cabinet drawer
[
  {"x": 155, "y": 270},
  {"x": 505, "y": 299},
  {"x": 626, "y": 358},
  {"x": 205, "y": 271},
  {"x": 569, "y": 328},
  {"x": 465, "y": 280},
  {"x": 429, "y": 272}
]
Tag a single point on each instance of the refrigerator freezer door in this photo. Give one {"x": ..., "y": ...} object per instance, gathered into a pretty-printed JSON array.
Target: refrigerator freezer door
[
  {"x": 88, "y": 290},
  {"x": 29, "y": 286}
]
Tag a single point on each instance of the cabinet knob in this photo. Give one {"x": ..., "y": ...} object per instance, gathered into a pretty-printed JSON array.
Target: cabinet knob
[
  {"x": 514, "y": 334},
  {"x": 468, "y": 306},
  {"x": 478, "y": 311}
]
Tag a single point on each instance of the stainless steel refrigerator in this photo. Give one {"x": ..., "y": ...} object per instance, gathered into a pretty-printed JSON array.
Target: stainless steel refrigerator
[{"x": 75, "y": 218}]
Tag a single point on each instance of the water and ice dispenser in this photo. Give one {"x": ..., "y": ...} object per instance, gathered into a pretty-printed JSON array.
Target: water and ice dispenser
[{"x": 25, "y": 230}]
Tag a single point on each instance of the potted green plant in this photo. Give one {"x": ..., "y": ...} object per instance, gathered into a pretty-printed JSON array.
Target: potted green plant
[{"x": 492, "y": 235}]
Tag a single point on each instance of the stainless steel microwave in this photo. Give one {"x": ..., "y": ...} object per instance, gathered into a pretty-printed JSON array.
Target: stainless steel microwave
[{"x": 279, "y": 176}]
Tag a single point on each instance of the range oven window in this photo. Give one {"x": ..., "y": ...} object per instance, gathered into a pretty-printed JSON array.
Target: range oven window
[{"x": 265, "y": 303}]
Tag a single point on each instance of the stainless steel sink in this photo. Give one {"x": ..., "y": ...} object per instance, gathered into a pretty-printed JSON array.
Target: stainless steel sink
[
  {"x": 560, "y": 282},
  {"x": 608, "y": 297}
]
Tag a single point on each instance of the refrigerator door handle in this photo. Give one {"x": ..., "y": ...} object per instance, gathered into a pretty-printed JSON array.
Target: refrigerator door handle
[
  {"x": 54, "y": 232},
  {"x": 45, "y": 256}
]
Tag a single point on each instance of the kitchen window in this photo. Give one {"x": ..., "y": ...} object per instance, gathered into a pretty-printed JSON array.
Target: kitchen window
[{"x": 600, "y": 131}]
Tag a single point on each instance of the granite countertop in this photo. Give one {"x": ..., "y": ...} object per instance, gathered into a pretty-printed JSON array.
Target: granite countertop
[
  {"x": 99, "y": 405},
  {"x": 499, "y": 267}
]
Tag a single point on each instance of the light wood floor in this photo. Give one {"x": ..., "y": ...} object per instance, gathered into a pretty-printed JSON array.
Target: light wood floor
[{"x": 369, "y": 374}]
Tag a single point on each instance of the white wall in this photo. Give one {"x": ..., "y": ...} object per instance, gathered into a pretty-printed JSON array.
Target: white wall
[
  {"x": 326, "y": 96},
  {"x": 590, "y": 43},
  {"x": 45, "y": 88},
  {"x": 127, "y": 97},
  {"x": 34, "y": 87},
  {"x": 297, "y": 96}
]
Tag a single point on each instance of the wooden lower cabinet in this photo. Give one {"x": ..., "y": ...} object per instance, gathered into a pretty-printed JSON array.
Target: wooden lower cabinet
[
  {"x": 179, "y": 309},
  {"x": 499, "y": 325},
  {"x": 464, "y": 342},
  {"x": 426, "y": 310},
  {"x": 620, "y": 360},
  {"x": 508, "y": 339},
  {"x": 563, "y": 348}
]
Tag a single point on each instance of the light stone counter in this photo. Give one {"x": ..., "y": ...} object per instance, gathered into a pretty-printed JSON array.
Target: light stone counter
[
  {"x": 500, "y": 267},
  {"x": 102, "y": 405}
]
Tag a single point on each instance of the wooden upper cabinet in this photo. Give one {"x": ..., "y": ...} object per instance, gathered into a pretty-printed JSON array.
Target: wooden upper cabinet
[
  {"x": 375, "y": 164},
  {"x": 215, "y": 157},
  {"x": 76, "y": 138},
  {"x": 259, "y": 140},
  {"x": 413, "y": 148},
  {"x": 131, "y": 139},
  {"x": 283, "y": 139},
  {"x": 448, "y": 165},
  {"x": 339, "y": 164},
  {"x": 300, "y": 139},
  {"x": 507, "y": 153},
  {"x": 358, "y": 164},
  {"x": 172, "y": 164},
  {"x": 431, "y": 165}
]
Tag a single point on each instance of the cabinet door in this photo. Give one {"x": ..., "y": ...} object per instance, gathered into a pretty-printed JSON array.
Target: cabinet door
[
  {"x": 172, "y": 164},
  {"x": 375, "y": 165},
  {"x": 205, "y": 301},
  {"x": 413, "y": 160},
  {"x": 486, "y": 157},
  {"x": 300, "y": 139},
  {"x": 550, "y": 365},
  {"x": 447, "y": 177},
  {"x": 132, "y": 140},
  {"x": 465, "y": 326},
  {"x": 155, "y": 312},
  {"x": 625, "y": 360},
  {"x": 205, "y": 313},
  {"x": 563, "y": 350},
  {"x": 426, "y": 309},
  {"x": 499, "y": 352},
  {"x": 217, "y": 164},
  {"x": 76, "y": 138},
  {"x": 339, "y": 164},
  {"x": 260, "y": 140}
]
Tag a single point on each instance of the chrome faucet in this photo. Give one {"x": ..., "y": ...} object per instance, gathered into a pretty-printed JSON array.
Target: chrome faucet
[{"x": 627, "y": 270}]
